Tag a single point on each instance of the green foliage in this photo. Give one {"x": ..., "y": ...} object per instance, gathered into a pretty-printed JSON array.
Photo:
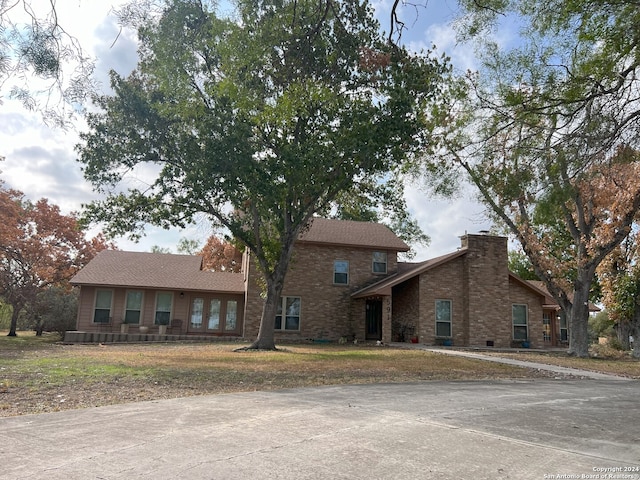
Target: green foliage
[
  {"x": 600, "y": 325},
  {"x": 41, "y": 64},
  {"x": 159, "y": 249},
  {"x": 259, "y": 122},
  {"x": 555, "y": 135},
  {"x": 55, "y": 310},
  {"x": 5, "y": 315},
  {"x": 520, "y": 264},
  {"x": 188, "y": 247}
]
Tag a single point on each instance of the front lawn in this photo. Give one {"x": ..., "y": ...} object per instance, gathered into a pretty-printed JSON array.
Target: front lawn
[{"x": 40, "y": 374}]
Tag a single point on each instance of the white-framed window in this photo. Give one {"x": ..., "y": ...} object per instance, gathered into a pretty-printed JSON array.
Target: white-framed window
[
  {"x": 379, "y": 262},
  {"x": 520, "y": 323},
  {"x": 197, "y": 306},
  {"x": 232, "y": 315},
  {"x": 443, "y": 318},
  {"x": 288, "y": 315},
  {"x": 213, "y": 322},
  {"x": 341, "y": 272},
  {"x": 546, "y": 327},
  {"x": 102, "y": 308},
  {"x": 133, "y": 306},
  {"x": 164, "y": 301}
]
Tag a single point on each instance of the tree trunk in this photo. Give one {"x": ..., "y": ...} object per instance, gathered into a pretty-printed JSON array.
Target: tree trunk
[
  {"x": 274, "y": 280},
  {"x": 274, "y": 285},
  {"x": 266, "y": 340},
  {"x": 634, "y": 330},
  {"x": 579, "y": 320},
  {"x": 14, "y": 320}
]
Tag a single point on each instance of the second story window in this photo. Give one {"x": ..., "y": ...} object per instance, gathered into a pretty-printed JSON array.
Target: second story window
[
  {"x": 379, "y": 262},
  {"x": 341, "y": 272}
]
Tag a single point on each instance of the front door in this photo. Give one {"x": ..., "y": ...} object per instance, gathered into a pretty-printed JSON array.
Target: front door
[{"x": 373, "y": 320}]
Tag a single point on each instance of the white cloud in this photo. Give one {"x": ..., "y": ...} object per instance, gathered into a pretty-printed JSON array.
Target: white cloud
[
  {"x": 445, "y": 220},
  {"x": 41, "y": 161}
]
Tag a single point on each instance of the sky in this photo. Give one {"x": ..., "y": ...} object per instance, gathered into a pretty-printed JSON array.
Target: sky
[{"x": 40, "y": 160}]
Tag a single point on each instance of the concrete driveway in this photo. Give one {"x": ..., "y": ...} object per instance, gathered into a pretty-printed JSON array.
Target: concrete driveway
[{"x": 534, "y": 429}]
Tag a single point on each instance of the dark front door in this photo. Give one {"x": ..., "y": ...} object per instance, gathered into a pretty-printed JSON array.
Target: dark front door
[{"x": 374, "y": 320}]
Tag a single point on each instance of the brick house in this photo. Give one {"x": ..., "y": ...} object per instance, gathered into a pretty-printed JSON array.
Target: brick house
[{"x": 344, "y": 282}]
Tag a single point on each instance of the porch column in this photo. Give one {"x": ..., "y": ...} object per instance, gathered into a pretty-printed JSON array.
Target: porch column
[{"x": 386, "y": 319}]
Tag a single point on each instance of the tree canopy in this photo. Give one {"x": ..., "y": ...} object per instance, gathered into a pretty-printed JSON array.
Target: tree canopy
[
  {"x": 619, "y": 275},
  {"x": 548, "y": 131},
  {"x": 39, "y": 248},
  {"x": 219, "y": 255},
  {"x": 41, "y": 64},
  {"x": 259, "y": 119}
]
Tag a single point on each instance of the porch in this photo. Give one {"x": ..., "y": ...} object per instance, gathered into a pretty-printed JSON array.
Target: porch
[{"x": 118, "y": 337}]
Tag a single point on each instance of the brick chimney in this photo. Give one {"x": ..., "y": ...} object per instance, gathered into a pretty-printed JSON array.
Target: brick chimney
[{"x": 488, "y": 308}]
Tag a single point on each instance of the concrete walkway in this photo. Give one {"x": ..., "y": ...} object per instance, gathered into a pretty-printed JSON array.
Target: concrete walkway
[{"x": 574, "y": 372}]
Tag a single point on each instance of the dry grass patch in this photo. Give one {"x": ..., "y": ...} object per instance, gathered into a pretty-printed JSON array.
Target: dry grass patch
[{"x": 47, "y": 377}]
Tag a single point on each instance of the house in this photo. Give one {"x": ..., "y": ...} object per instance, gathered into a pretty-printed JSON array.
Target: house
[{"x": 344, "y": 282}]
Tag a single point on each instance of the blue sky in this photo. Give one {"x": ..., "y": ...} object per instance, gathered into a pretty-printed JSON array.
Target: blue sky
[{"x": 40, "y": 161}]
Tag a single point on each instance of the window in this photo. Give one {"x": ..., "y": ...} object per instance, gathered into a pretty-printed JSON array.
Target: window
[
  {"x": 102, "y": 310},
  {"x": 341, "y": 272},
  {"x": 519, "y": 317},
  {"x": 291, "y": 318},
  {"x": 163, "y": 308},
  {"x": 443, "y": 318},
  {"x": 133, "y": 307},
  {"x": 564, "y": 331},
  {"x": 232, "y": 315},
  {"x": 214, "y": 315},
  {"x": 379, "y": 262},
  {"x": 546, "y": 327},
  {"x": 196, "y": 312}
]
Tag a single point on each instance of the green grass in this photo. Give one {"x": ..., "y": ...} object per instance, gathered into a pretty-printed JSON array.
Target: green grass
[{"x": 40, "y": 374}]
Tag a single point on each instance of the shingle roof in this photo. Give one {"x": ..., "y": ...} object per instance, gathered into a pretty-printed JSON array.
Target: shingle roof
[
  {"x": 405, "y": 272},
  {"x": 352, "y": 233},
  {"x": 155, "y": 270}
]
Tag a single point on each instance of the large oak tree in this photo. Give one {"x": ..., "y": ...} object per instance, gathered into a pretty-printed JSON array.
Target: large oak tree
[
  {"x": 259, "y": 119},
  {"x": 549, "y": 132}
]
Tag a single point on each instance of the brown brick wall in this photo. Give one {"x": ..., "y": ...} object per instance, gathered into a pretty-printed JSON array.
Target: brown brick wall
[
  {"x": 445, "y": 282},
  {"x": 481, "y": 295},
  {"x": 519, "y": 294},
  {"x": 326, "y": 309}
]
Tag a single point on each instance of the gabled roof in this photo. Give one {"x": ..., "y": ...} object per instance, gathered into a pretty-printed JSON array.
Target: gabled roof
[
  {"x": 352, "y": 233},
  {"x": 117, "y": 268},
  {"x": 405, "y": 272}
]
